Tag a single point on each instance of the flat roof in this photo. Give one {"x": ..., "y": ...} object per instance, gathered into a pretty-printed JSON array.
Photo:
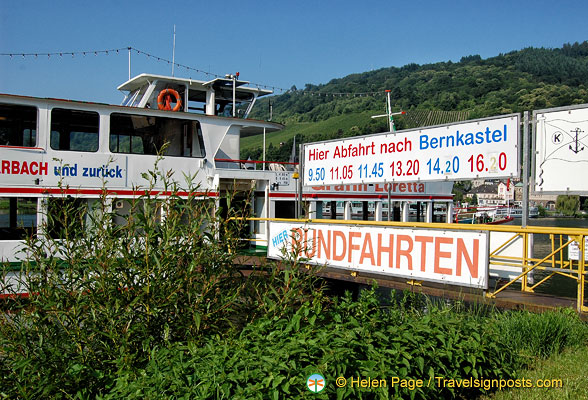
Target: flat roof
[{"x": 193, "y": 84}]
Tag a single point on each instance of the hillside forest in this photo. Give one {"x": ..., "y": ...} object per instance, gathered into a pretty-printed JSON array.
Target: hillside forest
[{"x": 430, "y": 94}]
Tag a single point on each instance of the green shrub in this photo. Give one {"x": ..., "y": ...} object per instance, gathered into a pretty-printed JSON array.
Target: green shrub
[
  {"x": 272, "y": 357},
  {"x": 104, "y": 296},
  {"x": 541, "y": 335}
]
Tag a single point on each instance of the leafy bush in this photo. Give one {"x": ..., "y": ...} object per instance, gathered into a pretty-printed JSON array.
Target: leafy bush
[
  {"x": 272, "y": 357},
  {"x": 104, "y": 295}
]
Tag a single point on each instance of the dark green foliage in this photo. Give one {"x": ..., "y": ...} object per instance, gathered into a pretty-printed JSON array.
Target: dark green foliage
[
  {"x": 411, "y": 338},
  {"x": 117, "y": 292},
  {"x": 460, "y": 188},
  {"x": 568, "y": 205},
  {"x": 272, "y": 357}
]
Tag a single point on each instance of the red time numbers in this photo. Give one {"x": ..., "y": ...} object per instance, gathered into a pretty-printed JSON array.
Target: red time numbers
[
  {"x": 406, "y": 168},
  {"x": 492, "y": 163},
  {"x": 344, "y": 172}
]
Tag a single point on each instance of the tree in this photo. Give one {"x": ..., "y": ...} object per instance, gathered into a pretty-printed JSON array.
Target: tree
[{"x": 568, "y": 205}]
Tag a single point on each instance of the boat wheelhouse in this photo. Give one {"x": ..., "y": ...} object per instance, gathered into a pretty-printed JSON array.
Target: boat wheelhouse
[{"x": 51, "y": 147}]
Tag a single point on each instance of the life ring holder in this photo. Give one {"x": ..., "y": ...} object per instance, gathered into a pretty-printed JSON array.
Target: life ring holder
[{"x": 164, "y": 100}]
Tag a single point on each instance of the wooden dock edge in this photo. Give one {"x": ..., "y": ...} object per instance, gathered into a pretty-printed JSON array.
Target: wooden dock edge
[{"x": 510, "y": 299}]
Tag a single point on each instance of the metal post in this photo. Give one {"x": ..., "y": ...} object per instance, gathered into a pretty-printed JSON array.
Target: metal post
[
  {"x": 390, "y": 118},
  {"x": 129, "y": 62},
  {"x": 389, "y": 114},
  {"x": 405, "y": 211},
  {"x": 313, "y": 210},
  {"x": 267, "y": 214},
  {"x": 389, "y": 201},
  {"x": 524, "y": 283},
  {"x": 301, "y": 177},
  {"x": 525, "y": 169},
  {"x": 581, "y": 268},
  {"x": 347, "y": 210},
  {"x": 234, "y": 88},
  {"x": 264, "y": 148},
  {"x": 296, "y": 201},
  {"x": 450, "y": 212},
  {"x": 429, "y": 212},
  {"x": 271, "y": 110},
  {"x": 378, "y": 211},
  {"x": 174, "y": 51}
]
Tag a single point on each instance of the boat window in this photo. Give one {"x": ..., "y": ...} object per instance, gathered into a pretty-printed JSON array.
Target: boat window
[
  {"x": 139, "y": 96},
  {"x": 285, "y": 209},
  {"x": 134, "y": 97},
  {"x": 18, "y": 125},
  {"x": 140, "y": 134},
  {"x": 129, "y": 98},
  {"x": 18, "y": 217},
  {"x": 74, "y": 130},
  {"x": 159, "y": 87}
]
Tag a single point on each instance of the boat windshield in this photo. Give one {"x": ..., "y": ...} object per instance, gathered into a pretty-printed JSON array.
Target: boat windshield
[{"x": 129, "y": 98}]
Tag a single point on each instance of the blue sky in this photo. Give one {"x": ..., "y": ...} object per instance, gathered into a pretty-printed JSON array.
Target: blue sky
[{"x": 275, "y": 43}]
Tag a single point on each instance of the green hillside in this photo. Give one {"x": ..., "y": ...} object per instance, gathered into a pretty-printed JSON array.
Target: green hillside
[
  {"x": 430, "y": 94},
  {"x": 318, "y": 129}
]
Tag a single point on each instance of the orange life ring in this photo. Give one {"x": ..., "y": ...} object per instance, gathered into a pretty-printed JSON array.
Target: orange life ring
[{"x": 164, "y": 100}]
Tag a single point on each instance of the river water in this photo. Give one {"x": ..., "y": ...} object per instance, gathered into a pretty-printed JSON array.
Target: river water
[{"x": 556, "y": 285}]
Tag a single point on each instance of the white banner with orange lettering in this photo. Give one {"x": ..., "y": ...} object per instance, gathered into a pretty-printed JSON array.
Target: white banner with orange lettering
[{"x": 447, "y": 256}]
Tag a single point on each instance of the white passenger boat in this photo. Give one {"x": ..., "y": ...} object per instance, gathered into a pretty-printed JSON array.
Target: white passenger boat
[
  {"x": 517, "y": 212},
  {"x": 51, "y": 147}
]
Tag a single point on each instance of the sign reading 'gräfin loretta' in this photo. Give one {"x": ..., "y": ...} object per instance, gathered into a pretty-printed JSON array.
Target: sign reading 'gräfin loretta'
[{"x": 452, "y": 257}]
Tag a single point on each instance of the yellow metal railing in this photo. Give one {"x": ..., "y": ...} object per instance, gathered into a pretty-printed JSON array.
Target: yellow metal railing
[{"x": 554, "y": 262}]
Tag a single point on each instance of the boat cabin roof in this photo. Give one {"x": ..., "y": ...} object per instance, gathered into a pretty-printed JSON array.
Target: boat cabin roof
[
  {"x": 213, "y": 96},
  {"x": 194, "y": 85}
]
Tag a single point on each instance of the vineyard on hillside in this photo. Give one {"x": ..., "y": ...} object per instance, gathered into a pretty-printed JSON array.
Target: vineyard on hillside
[{"x": 421, "y": 118}]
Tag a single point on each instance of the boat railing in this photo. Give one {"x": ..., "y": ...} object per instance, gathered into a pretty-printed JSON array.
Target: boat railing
[{"x": 227, "y": 163}]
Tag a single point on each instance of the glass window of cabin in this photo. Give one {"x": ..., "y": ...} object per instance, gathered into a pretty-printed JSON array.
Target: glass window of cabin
[
  {"x": 159, "y": 87},
  {"x": 18, "y": 125},
  {"x": 129, "y": 98},
  {"x": 134, "y": 97},
  {"x": 285, "y": 209},
  {"x": 18, "y": 217},
  {"x": 140, "y": 134},
  {"x": 74, "y": 130}
]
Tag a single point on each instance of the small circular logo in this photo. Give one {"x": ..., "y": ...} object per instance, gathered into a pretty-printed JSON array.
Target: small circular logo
[{"x": 315, "y": 383}]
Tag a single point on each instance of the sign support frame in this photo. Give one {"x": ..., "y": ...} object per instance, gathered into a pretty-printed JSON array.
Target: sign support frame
[{"x": 525, "y": 215}]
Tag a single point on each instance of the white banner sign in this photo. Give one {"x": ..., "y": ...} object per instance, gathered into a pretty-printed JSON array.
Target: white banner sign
[
  {"x": 453, "y": 257},
  {"x": 486, "y": 148},
  {"x": 561, "y": 151}
]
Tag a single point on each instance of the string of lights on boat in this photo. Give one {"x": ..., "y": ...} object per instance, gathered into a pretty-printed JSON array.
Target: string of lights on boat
[{"x": 187, "y": 68}]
